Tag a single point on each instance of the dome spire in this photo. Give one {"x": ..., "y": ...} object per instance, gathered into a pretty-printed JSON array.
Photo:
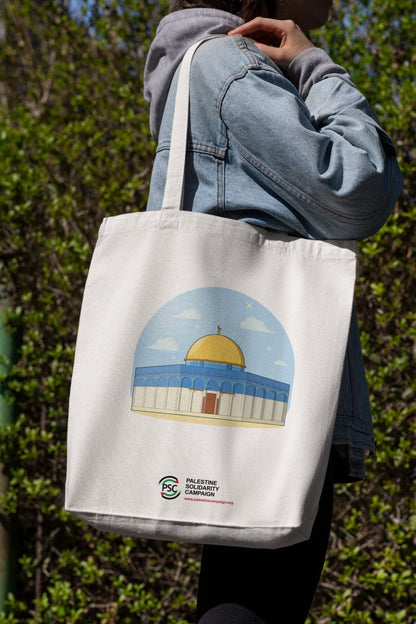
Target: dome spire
[{"x": 219, "y": 330}]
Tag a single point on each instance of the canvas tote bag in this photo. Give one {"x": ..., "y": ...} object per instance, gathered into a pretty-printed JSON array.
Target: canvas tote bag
[{"x": 206, "y": 374}]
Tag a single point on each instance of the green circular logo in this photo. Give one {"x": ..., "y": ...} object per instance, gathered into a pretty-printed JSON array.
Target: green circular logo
[{"x": 169, "y": 487}]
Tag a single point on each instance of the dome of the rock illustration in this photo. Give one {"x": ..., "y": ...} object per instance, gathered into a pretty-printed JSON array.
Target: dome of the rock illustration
[
  {"x": 216, "y": 348},
  {"x": 211, "y": 384}
]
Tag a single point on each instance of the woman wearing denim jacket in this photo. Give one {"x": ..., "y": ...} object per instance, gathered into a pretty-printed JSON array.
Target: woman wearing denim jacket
[{"x": 279, "y": 137}]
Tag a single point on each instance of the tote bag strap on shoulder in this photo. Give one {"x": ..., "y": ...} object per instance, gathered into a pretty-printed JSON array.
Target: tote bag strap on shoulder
[{"x": 173, "y": 195}]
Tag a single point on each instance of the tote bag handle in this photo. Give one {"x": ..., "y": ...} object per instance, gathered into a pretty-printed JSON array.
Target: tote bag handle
[{"x": 173, "y": 195}]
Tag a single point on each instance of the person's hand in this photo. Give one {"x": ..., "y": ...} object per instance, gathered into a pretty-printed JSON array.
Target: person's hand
[{"x": 281, "y": 40}]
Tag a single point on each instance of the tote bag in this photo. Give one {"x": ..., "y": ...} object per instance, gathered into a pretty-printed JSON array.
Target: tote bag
[{"x": 206, "y": 375}]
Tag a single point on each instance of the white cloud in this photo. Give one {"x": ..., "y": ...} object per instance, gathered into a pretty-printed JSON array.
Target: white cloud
[
  {"x": 189, "y": 313},
  {"x": 255, "y": 324},
  {"x": 280, "y": 363},
  {"x": 164, "y": 344}
]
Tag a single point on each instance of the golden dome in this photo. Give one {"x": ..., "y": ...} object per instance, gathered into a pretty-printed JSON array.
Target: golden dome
[{"x": 216, "y": 348}]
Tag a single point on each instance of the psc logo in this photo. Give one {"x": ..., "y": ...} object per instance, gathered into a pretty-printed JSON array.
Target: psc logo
[{"x": 169, "y": 487}]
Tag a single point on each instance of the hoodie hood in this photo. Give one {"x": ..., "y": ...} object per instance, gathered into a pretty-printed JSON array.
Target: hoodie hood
[{"x": 175, "y": 34}]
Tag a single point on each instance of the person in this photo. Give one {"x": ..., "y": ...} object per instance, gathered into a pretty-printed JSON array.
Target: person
[{"x": 279, "y": 137}]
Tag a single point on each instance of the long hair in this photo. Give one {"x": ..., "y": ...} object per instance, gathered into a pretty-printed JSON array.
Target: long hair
[{"x": 246, "y": 9}]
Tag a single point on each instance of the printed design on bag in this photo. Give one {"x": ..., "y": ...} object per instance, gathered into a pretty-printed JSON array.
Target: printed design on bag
[
  {"x": 169, "y": 487},
  {"x": 240, "y": 374},
  {"x": 196, "y": 490}
]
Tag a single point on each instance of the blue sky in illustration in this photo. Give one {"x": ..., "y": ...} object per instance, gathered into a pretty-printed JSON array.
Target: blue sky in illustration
[{"x": 170, "y": 333}]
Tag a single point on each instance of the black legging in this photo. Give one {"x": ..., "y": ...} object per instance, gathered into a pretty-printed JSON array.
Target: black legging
[{"x": 253, "y": 586}]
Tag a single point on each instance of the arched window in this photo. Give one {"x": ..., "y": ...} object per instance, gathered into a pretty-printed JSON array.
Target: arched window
[
  {"x": 251, "y": 391},
  {"x": 271, "y": 395},
  {"x": 282, "y": 397},
  {"x": 198, "y": 384},
  {"x": 226, "y": 387},
  {"x": 212, "y": 385},
  {"x": 261, "y": 393},
  {"x": 173, "y": 382},
  {"x": 186, "y": 382},
  {"x": 151, "y": 382},
  {"x": 239, "y": 388},
  {"x": 162, "y": 382}
]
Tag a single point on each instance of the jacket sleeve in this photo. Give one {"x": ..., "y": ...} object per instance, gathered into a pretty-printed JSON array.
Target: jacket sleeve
[{"x": 314, "y": 135}]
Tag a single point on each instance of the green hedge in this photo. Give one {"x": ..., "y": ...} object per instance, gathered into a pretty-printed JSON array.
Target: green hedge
[{"x": 75, "y": 147}]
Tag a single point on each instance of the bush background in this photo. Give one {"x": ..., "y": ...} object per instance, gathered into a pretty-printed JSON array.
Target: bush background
[{"x": 75, "y": 147}]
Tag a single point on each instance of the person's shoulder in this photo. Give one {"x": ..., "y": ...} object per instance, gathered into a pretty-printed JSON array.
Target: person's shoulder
[{"x": 231, "y": 57}]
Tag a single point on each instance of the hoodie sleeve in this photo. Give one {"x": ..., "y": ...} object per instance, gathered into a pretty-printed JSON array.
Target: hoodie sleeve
[
  {"x": 313, "y": 66},
  {"x": 314, "y": 135}
]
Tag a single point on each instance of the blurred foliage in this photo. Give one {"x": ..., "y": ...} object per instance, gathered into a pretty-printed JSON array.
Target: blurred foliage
[
  {"x": 370, "y": 574},
  {"x": 75, "y": 147}
]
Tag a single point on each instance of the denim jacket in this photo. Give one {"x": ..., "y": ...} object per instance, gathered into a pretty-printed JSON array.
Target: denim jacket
[{"x": 300, "y": 152}]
